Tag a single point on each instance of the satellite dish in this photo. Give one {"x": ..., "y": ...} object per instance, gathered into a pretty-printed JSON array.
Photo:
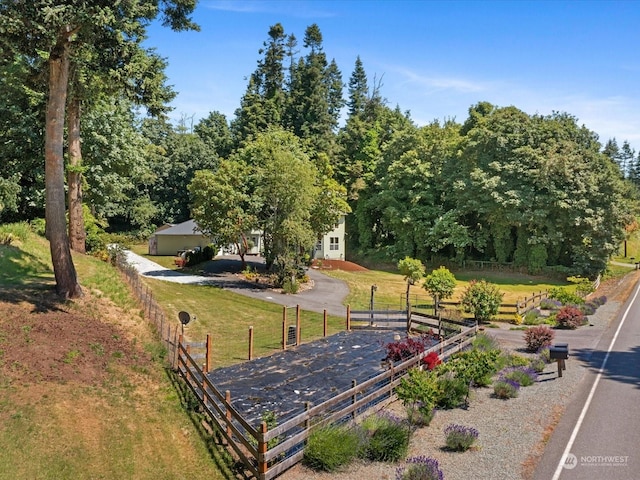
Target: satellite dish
[{"x": 184, "y": 317}]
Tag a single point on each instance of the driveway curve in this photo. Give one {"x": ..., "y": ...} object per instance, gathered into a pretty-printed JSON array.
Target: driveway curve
[{"x": 326, "y": 294}]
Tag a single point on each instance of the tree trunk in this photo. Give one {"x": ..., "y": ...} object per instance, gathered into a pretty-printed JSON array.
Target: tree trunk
[
  {"x": 77, "y": 234},
  {"x": 63, "y": 268}
]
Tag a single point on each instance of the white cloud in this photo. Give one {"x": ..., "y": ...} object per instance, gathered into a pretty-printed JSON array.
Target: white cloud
[
  {"x": 300, "y": 9},
  {"x": 439, "y": 83}
]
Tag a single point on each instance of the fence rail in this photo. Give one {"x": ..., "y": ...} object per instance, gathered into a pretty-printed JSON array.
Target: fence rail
[
  {"x": 520, "y": 307},
  {"x": 167, "y": 331},
  {"x": 254, "y": 445}
]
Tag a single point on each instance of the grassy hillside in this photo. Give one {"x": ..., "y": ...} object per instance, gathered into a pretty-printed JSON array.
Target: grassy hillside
[{"x": 83, "y": 394}]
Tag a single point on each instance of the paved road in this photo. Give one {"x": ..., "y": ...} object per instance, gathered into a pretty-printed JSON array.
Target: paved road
[
  {"x": 599, "y": 434},
  {"x": 327, "y": 293}
]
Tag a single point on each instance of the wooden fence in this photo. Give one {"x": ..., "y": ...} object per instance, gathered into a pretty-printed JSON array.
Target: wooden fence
[
  {"x": 424, "y": 303},
  {"x": 167, "y": 331},
  {"x": 266, "y": 452}
]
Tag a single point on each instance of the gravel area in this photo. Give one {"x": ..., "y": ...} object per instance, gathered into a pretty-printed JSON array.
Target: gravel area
[{"x": 512, "y": 432}]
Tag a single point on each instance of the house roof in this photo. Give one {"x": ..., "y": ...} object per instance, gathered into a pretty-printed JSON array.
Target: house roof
[{"x": 185, "y": 228}]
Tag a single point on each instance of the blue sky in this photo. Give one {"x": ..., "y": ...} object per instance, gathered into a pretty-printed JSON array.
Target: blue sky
[{"x": 434, "y": 58}]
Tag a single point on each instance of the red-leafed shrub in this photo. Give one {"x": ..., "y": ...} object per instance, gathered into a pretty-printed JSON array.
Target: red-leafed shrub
[
  {"x": 538, "y": 337},
  {"x": 570, "y": 317},
  {"x": 431, "y": 360},
  {"x": 408, "y": 347}
]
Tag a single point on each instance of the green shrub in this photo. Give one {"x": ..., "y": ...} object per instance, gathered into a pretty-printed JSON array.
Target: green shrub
[
  {"x": 473, "y": 366},
  {"x": 538, "y": 337},
  {"x": 485, "y": 342},
  {"x": 419, "y": 392},
  {"x": 482, "y": 299},
  {"x": 452, "y": 391},
  {"x": 512, "y": 360},
  {"x": 506, "y": 389},
  {"x": 12, "y": 231},
  {"x": 537, "y": 365},
  {"x": 565, "y": 296},
  {"x": 419, "y": 415},
  {"x": 524, "y": 376},
  {"x": 544, "y": 354},
  {"x": 331, "y": 447},
  {"x": 389, "y": 442},
  {"x": 38, "y": 226},
  {"x": 290, "y": 286}
]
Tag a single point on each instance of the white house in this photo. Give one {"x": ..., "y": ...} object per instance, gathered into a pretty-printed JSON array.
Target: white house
[
  {"x": 172, "y": 239},
  {"x": 331, "y": 245}
]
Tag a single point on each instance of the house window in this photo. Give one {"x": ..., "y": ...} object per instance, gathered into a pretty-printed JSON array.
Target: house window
[
  {"x": 318, "y": 246},
  {"x": 333, "y": 243}
]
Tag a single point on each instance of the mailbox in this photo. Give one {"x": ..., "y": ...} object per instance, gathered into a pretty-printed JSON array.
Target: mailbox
[{"x": 559, "y": 352}]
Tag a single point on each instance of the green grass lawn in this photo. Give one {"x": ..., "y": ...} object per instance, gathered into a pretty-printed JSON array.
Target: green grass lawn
[
  {"x": 134, "y": 425},
  {"x": 227, "y": 317}
]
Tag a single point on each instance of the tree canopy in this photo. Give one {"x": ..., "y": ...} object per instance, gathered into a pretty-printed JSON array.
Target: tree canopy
[{"x": 539, "y": 192}]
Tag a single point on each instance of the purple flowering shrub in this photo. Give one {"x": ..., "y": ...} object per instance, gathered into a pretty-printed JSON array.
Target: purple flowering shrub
[
  {"x": 420, "y": 468},
  {"x": 460, "y": 438},
  {"x": 505, "y": 388},
  {"x": 550, "y": 304},
  {"x": 524, "y": 376}
]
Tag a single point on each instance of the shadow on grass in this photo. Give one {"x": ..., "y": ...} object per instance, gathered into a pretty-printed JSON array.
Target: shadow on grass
[
  {"x": 18, "y": 267},
  {"x": 230, "y": 468},
  {"x": 41, "y": 296}
]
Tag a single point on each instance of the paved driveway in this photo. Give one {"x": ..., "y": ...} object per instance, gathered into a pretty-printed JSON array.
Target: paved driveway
[{"x": 327, "y": 293}]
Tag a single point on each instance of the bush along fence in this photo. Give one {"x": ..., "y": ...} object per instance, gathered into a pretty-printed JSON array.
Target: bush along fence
[
  {"x": 268, "y": 449},
  {"x": 520, "y": 307}
]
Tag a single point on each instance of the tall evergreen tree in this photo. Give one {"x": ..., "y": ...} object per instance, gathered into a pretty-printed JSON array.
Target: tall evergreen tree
[
  {"x": 358, "y": 89},
  {"x": 263, "y": 104},
  {"x": 215, "y": 132},
  {"x": 626, "y": 156},
  {"x": 53, "y": 30},
  {"x": 316, "y": 95}
]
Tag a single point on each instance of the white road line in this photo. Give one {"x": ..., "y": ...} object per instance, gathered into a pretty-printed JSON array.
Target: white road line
[{"x": 574, "y": 434}]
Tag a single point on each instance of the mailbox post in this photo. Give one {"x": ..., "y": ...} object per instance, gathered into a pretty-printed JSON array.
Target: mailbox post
[{"x": 559, "y": 352}]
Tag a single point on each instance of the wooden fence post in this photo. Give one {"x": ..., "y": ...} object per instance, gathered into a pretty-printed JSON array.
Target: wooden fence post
[
  {"x": 251, "y": 343},
  {"x": 348, "y": 318},
  {"x": 354, "y": 398},
  {"x": 324, "y": 323},
  {"x": 307, "y": 422},
  {"x": 284, "y": 328},
  {"x": 298, "y": 334},
  {"x": 227, "y": 401},
  {"x": 262, "y": 450},
  {"x": 187, "y": 369},
  {"x": 207, "y": 365}
]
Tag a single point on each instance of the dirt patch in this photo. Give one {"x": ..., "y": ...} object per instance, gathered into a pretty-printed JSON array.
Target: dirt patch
[
  {"x": 338, "y": 265},
  {"x": 60, "y": 344}
]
